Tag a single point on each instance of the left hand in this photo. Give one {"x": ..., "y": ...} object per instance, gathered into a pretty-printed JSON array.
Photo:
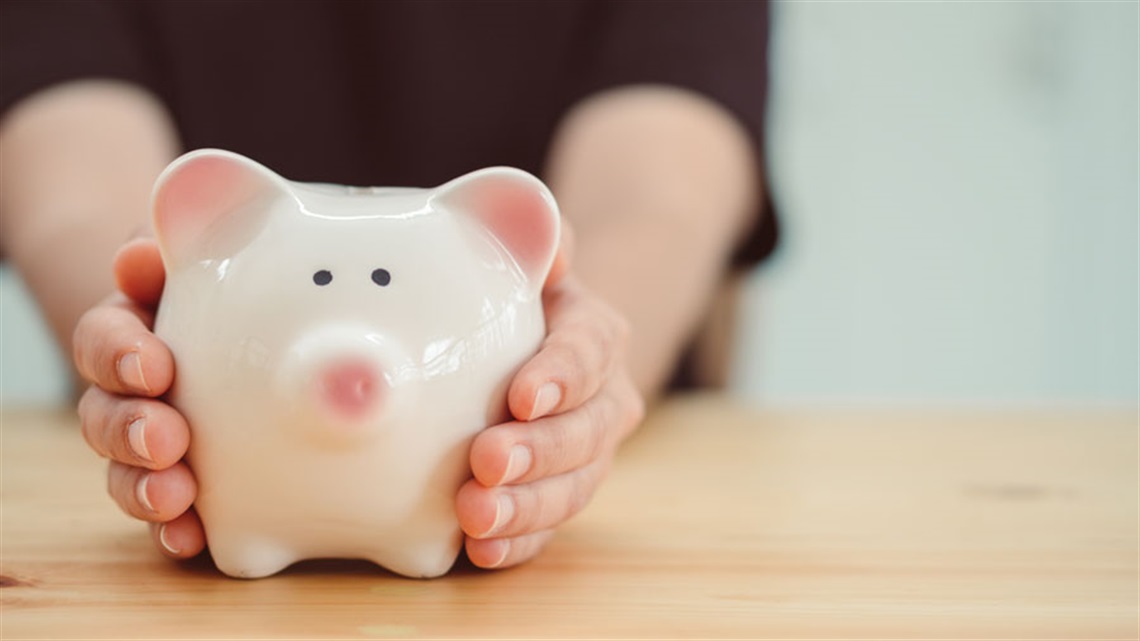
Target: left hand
[{"x": 574, "y": 403}]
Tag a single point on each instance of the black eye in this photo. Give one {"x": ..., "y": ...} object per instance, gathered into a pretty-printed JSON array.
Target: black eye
[
  {"x": 323, "y": 277},
  {"x": 381, "y": 277}
]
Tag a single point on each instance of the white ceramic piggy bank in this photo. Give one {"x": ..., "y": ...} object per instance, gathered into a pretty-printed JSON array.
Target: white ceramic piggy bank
[{"x": 337, "y": 349}]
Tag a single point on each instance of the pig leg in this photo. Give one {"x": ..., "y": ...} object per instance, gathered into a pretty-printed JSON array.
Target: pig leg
[
  {"x": 246, "y": 556},
  {"x": 424, "y": 557}
]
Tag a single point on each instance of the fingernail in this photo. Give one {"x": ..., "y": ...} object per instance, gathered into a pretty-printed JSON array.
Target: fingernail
[
  {"x": 166, "y": 544},
  {"x": 546, "y": 399},
  {"x": 504, "y": 511},
  {"x": 518, "y": 463},
  {"x": 141, "y": 495},
  {"x": 131, "y": 372},
  {"x": 504, "y": 546},
  {"x": 136, "y": 437}
]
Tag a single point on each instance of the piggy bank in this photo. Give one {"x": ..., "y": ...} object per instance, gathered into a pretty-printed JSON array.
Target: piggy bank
[{"x": 337, "y": 348}]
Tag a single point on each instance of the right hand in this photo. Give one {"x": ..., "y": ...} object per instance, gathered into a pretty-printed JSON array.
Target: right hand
[{"x": 123, "y": 416}]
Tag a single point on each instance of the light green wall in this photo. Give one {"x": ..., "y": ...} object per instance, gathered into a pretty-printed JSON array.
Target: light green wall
[
  {"x": 32, "y": 371},
  {"x": 959, "y": 185}
]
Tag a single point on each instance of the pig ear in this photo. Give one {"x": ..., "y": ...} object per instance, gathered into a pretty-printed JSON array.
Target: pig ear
[
  {"x": 209, "y": 203},
  {"x": 516, "y": 208}
]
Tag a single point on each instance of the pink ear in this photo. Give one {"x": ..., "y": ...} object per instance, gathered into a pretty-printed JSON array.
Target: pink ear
[
  {"x": 199, "y": 191},
  {"x": 516, "y": 208}
]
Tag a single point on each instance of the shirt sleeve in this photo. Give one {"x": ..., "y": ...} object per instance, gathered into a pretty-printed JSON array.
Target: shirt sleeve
[
  {"x": 46, "y": 43},
  {"x": 718, "y": 49}
]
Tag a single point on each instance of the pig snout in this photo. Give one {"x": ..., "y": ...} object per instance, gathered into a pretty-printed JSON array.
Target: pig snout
[
  {"x": 343, "y": 380},
  {"x": 351, "y": 388}
]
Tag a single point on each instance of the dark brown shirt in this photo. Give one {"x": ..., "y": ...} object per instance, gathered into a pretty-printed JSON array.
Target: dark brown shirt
[{"x": 391, "y": 93}]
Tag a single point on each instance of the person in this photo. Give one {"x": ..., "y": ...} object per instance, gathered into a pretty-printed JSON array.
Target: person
[{"x": 645, "y": 119}]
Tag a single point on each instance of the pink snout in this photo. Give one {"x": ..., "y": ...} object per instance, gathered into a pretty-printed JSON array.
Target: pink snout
[{"x": 351, "y": 389}]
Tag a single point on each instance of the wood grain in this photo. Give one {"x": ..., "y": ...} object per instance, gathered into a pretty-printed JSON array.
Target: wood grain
[{"x": 718, "y": 521}]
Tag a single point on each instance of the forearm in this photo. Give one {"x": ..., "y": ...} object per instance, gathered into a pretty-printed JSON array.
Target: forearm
[
  {"x": 78, "y": 164},
  {"x": 658, "y": 184}
]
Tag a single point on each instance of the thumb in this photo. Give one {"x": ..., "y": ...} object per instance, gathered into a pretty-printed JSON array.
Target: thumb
[
  {"x": 139, "y": 272},
  {"x": 561, "y": 264}
]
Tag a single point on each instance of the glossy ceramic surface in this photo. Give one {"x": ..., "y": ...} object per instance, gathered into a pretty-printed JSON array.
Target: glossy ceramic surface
[{"x": 337, "y": 348}]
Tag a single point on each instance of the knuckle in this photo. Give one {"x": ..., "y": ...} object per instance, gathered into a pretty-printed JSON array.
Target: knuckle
[
  {"x": 526, "y": 548},
  {"x": 113, "y": 474},
  {"x": 553, "y": 502},
  {"x": 597, "y": 428},
  {"x": 104, "y": 424},
  {"x": 576, "y": 502},
  {"x": 583, "y": 351},
  {"x": 79, "y": 346},
  {"x": 607, "y": 334},
  {"x": 86, "y": 400},
  {"x": 555, "y": 454},
  {"x": 121, "y": 483},
  {"x": 562, "y": 446},
  {"x": 566, "y": 359},
  {"x": 102, "y": 337},
  {"x": 582, "y": 491},
  {"x": 620, "y": 327},
  {"x": 624, "y": 410},
  {"x": 604, "y": 339},
  {"x": 87, "y": 410},
  {"x": 631, "y": 412},
  {"x": 635, "y": 408}
]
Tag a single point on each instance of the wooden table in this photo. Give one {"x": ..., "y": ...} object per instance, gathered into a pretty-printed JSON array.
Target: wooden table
[{"x": 718, "y": 521}]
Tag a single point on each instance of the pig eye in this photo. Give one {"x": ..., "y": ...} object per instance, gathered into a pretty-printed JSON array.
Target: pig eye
[
  {"x": 323, "y": 277},
  {"x": 381, "y": 277}
]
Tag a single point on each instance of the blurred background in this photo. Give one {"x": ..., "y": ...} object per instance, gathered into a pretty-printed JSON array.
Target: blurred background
[{"x": 959, "y": 184}]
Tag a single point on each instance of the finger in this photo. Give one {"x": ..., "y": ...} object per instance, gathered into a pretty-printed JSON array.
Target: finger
[
  {"x": 515, "y": 510},
  {"x": 182, "y": 538},
  {"x": 136, "y": 431},
  {"x": 139, "y": 272},
  {"x": 584, "y": 338},
  {"x": 522, "y": 452},
  {"x": 504, "y": 553},
  {"x": 562, "y": 256},
  {"x": 156, "y": 496},
  {"x": 115, "y": 349}
]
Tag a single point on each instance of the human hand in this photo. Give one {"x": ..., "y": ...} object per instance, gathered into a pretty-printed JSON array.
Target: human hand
[
  {"x": 122, "y": 414},
  {"x": 574, "y": 402}
]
